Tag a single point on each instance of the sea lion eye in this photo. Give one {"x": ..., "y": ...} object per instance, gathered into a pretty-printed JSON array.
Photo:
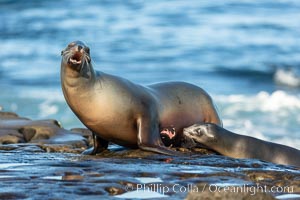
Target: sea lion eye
[
  {"x": 71, "y": 45},
  {"x": 199, "y": 132},
  {"x": 87, "y": 50}
]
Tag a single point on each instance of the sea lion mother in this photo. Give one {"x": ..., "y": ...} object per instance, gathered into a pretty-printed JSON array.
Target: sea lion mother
[{"x": 125, "y": 113}]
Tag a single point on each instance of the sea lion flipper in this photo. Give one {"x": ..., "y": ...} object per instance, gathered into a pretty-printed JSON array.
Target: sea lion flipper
[
  {"x": 161, "y": 150},
  {"x": 99, "y": 146},
  {"x": 149, "y": 138}
]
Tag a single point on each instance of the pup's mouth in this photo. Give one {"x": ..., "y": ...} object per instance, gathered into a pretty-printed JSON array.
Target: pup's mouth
[{"x": 76, "y": 59}]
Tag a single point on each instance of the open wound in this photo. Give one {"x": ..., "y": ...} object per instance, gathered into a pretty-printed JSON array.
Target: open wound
[{"x": 170, "y": 132}]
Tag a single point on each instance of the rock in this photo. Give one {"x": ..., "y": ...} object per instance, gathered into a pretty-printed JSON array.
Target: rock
[
  {"x": 10, "y": 136},
  {"x": 9, "y": 115},
  {"x": 40, "y": 159},
  {"x": 12, "y": 195},
  {"x": 86, "y": 133},
  {"x": 114, "y": 190},
  {"x": 16, "y": 130}
]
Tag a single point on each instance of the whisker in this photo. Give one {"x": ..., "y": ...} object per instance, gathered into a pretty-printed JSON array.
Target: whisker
[{"x": 88, "y": 58}]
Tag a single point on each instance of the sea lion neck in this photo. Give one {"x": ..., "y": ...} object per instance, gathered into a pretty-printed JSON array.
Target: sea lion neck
[{"x": 74, "y": 78}]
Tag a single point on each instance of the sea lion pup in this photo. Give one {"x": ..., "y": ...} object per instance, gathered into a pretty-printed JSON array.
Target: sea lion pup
[
  {"x": 240, "y": 146},
  {"x": 120, "y": 111}
]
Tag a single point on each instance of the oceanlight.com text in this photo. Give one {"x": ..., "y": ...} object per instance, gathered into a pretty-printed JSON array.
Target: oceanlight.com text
[{"x": 213, "y": 188}]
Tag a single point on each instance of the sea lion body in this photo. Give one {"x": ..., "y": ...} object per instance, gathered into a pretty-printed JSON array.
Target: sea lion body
[
  {"x": 129, "y": 114},
  {"x": 240, "y": 146},
  {"x": 115, "y": 114}
]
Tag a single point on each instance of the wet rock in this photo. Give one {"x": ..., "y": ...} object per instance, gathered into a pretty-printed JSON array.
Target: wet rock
[
  {"x": 125, "y": 153},
  {"x": 277, "y": 179},
  {"x": 9, "y": 136},
  {"x": 60, "y": 148},
  {"x": 114, "y": 190},
  {"x": 72, "y": 177},
  {"x": 47, "y": 133},
  {"x": 41, "y": 160},
  {"x": 10, "y": 115},
  {"x": 8, "y": 147},
  {"x": 83, "y": 132},
  {"x": 203, "y": 151},
  {"x": 12, "y": 195},
  {"x": 183, "y": 149}
]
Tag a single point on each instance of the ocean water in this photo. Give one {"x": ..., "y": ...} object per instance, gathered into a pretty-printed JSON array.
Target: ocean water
[{"x": 245, "y": 54}]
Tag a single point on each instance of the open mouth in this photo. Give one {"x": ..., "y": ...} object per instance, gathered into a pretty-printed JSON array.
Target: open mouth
[{"x": 76, "y": 58}]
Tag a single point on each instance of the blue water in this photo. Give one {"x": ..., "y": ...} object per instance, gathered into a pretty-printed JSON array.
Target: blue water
[{"x": 230, "y": 48}]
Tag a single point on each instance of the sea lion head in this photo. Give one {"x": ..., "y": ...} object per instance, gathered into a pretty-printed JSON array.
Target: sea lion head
[
  {"x": 201, "y": 133},
  {"x": 77, "y": 56}
]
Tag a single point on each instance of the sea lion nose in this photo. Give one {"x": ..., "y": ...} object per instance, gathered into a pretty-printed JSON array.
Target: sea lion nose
[
  {"x": 185, "y": 130},
  {"x": 79, "y": 47}
]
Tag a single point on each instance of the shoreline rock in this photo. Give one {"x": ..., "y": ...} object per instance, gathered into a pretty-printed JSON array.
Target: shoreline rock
[
  {"x": 48, "y": 134},
  {"x": 37, "y": 156}
]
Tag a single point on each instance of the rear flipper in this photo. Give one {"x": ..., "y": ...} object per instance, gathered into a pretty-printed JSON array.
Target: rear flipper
[{"x": 99, "y": 146}]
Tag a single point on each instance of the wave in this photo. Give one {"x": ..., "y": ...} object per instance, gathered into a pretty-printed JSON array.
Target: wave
[
  {"x": 269, "y": 116},
  {"x": 287, "y": 77},
  {"x": 244, "y": 71},
  {"x": 263, "y": 101}
]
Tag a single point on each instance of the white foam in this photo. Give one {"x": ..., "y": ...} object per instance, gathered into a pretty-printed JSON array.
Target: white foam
[
  {"x": 200, "y": 169},
  {"x": 141, "y": 195},
  {"x": 38, "y": 93},
  {"x": 263, "y": 101},
  {"x": 8, "y": 177},
  {"x": 269, "y": 116},
  {"x": 53, "y": 178},
  {"x": 146, "y": 180},
  {"x": 49, "y": 101},
  {"x": 12, "y": 166},
  {"x": 277, "y": 101},
  {"x": 26, "y": 48},
  {"x": 288, "y": 196},
  {"x": 289, "y": 141},
  {"x": 287, "y": 77},
  {"x": 47, "y": 108}
]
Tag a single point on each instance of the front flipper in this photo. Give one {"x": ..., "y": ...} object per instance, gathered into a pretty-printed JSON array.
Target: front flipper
[
  {"x": 149, "y": 138},
  {"x": 99, "y": 146},
  {"x": 160, "y": 149}
]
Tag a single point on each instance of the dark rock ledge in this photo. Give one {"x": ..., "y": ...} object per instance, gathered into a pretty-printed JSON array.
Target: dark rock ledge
[{"x": 41, "y": 160}]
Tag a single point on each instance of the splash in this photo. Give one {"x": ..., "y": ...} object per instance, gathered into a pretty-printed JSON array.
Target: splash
[
  {"x": 287, "y": 77},
  {"x": 269, "y": 116}
]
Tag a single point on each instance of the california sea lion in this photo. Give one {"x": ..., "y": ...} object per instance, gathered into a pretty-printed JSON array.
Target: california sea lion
[
  {"x": 128, "y": 114},
  {"x": 240, "y": 146}
]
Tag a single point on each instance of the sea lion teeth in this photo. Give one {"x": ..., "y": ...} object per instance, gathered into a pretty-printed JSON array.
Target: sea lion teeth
[{"x": 73, "y": 61}]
